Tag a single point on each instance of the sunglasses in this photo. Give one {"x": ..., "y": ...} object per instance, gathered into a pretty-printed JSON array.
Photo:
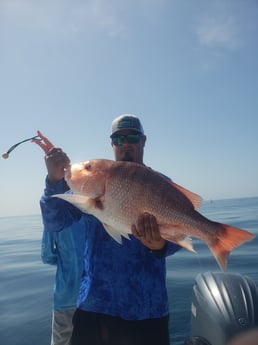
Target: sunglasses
[{"x": 129, "y": 138}]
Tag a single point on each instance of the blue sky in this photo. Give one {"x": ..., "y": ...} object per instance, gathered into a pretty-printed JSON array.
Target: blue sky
[{"x": 187, "y": 68}]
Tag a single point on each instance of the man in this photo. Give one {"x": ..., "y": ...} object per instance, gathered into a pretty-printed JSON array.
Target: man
[
  {"x": 123, "y": 297},
  {"x": 64, "y": 250}
]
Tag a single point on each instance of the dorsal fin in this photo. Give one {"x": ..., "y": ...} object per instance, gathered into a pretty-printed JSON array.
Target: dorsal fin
[{"x": 195, "y": 199}]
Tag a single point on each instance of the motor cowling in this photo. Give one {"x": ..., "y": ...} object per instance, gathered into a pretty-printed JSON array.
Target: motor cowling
[{"x": 223, "y": 305}]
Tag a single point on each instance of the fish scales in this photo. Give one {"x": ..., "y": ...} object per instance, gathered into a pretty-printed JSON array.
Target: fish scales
[{"x": 148, "y": 193}]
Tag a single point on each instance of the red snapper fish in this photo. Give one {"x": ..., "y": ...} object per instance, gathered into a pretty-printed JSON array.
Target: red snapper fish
[{"x": 118, "y": 192}]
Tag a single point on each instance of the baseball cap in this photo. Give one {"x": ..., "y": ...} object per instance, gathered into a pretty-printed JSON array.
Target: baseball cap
[{"x": 126, "y": 121}]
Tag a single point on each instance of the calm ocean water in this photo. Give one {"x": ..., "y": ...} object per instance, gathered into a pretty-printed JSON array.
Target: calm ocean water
[{"x": 26, "y": 285}]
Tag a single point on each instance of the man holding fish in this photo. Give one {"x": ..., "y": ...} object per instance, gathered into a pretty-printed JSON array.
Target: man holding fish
[{"x": 123, "y": 297}]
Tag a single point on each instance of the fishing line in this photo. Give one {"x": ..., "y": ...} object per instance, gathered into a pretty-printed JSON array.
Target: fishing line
[{"x": 6, "y": 154}]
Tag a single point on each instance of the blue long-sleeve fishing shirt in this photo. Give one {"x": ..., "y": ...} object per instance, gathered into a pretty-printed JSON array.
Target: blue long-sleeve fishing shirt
[
  {"x": 126, "y": 280},
  {"x": 65, "y": 250}
]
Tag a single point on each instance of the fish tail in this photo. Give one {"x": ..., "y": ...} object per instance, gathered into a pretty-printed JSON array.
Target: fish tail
[{"x": 228, "y": 239}]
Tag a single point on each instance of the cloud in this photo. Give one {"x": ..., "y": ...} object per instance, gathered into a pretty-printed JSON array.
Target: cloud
[
  {"x": 223, "y": 27},
  {"x": 111, "y": 17},
  {"x": 218, "y": 25},
  {"x": 226, "y": 24},
  {"x": 218, "y": 32},
  {"x": 63, "y": 17},
  {"x": 71, "y": 17}
]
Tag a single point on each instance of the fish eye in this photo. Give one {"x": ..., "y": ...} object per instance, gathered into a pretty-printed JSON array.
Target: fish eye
[{"x": 87, "y": 166}]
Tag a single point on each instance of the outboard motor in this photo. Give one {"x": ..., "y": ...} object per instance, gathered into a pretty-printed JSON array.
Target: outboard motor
[{"x": 223, "y": 305}]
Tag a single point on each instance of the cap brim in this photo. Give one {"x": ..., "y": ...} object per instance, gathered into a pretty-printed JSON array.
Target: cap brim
[{"x": 123, "y": 129}]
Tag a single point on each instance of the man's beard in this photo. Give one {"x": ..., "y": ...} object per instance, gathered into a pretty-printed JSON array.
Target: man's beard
[{"x": 128, "y": 157}]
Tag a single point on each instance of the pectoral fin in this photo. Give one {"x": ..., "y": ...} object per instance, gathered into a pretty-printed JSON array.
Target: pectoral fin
[{"x": 81, "y": 202}]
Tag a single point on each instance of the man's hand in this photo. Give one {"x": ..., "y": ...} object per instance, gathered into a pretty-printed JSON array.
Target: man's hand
[
  {"x": 56, "y": 160},
  {"x": 147, "y": 231}
]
